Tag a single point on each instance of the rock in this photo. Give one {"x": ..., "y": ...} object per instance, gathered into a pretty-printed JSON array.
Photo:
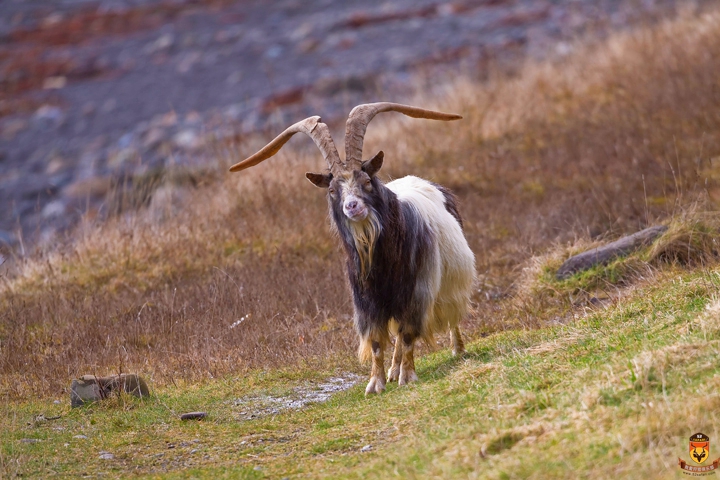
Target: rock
[
  {"x": 193, "y": 416},
  {"x": 126, "y": 140},
  {"x": 603, "y": 255},
  {"x": 90, "y": 388},
  {"x": 106, "y": 456},
  {"x": 187, "y": 138},
  {"x": 366, "y": 448},
  {"x": 274, "y": 51},
  {"x": 53, "y": 209},
  {"x": 54, "y": 83},
  {"x": 80, "y": 437},
  {"x": 48, "y": 112},
  {"x": 30, "y": 440},
  {"x": 164, "y": 42},
  {"x": 187, "y": 61},
  {"x": 48, "y": 117}
]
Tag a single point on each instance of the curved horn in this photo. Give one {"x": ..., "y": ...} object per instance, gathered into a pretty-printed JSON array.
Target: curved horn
[
  {"x": 361, "y": 115},
  {"x": 311, "y": 126}
]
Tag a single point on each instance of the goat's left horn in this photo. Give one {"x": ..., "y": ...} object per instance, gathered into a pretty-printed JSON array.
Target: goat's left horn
[
  {"x": 361, "y": 115},
  {"x": 311, "y": 126}
]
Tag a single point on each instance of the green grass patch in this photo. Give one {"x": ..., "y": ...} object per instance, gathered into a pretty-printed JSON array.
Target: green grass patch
[{"x": 618, "y": 388}]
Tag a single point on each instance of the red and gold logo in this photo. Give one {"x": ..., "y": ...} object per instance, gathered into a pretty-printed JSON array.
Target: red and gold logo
[{"x": 699, "y": 449}]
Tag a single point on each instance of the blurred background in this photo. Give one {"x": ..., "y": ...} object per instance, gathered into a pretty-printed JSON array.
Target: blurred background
[{"x": 96, "y": 96}]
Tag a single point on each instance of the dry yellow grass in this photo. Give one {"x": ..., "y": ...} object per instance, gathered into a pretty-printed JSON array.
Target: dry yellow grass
[{"x": 607, "y": 140}]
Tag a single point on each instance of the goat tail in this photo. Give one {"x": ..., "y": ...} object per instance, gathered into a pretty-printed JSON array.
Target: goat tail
[{"x": 365, "y": 350}]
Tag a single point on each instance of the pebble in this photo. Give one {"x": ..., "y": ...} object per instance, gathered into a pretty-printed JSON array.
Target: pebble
[
  {"x": 30, "y": 440},
  {"x": 106, "y": 456},
  {"x": 366, "y": 448},
  {"x": 81, "y": 437}
]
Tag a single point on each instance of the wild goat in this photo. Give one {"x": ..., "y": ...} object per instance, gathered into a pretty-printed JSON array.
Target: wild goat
[{"x": 410, "y": 269}]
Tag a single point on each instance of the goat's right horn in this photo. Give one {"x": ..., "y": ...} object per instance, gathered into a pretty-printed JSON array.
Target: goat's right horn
[
  {"x": 361, "y": 115},
  {"x": 311, "y": 126}
]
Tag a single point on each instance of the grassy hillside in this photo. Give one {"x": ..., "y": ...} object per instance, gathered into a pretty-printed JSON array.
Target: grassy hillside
[
  {"x": 234, "y": 290},
  {"x": 615, "y": 392}
]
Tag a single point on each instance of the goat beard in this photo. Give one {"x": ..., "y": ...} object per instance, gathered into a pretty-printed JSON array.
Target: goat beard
[{"x": 365, "y": 235}]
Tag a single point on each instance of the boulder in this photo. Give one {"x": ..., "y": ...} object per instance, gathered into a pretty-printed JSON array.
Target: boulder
[{"x": 90, "y": 388}]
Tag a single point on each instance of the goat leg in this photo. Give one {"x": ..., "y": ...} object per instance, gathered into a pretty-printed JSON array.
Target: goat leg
[
  {"x": 407, "y": 367},
  {"x": 377, "y": 375},
  {"x": 458, "y": 347},
  {"x": 394, "y": 372}
]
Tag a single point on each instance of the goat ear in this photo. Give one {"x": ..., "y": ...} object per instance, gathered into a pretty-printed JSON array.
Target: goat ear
[
  {"x": 320, "y": 180},
  {"x": 372, "y": 166}
]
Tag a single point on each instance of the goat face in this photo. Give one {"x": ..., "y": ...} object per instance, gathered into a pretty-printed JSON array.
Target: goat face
[{"x": 353, "y": 192}]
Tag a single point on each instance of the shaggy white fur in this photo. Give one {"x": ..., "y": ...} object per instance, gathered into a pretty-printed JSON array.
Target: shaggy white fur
[{"x": 451, "y": 280}]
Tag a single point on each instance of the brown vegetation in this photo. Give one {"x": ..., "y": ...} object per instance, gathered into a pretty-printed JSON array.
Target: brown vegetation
[{"x": 244, "y": 273}]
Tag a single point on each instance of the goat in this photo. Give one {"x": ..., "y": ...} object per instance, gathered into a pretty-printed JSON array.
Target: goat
[{"x": 409, "y": 266}]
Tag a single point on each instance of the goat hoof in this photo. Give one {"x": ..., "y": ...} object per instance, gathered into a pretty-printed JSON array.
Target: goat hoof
[
  {"x": 407, "y": 376},
  {"x": 393, "y": 374},
  {"x": 375, "y": 385}
]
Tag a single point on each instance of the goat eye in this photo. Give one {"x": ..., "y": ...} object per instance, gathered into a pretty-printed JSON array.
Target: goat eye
[{"x": 331, "y": 191}]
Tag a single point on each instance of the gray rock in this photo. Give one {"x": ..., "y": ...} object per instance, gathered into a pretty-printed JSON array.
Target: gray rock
[
  {"x": 89, "y": 388},
  {"x": 605, "y": 254},
  {"x": 193, "y": 416},
  {"x": 48, "y": 116},
  {"x": 53, "y": 209},
  {"x": 188, "y": 139}
]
